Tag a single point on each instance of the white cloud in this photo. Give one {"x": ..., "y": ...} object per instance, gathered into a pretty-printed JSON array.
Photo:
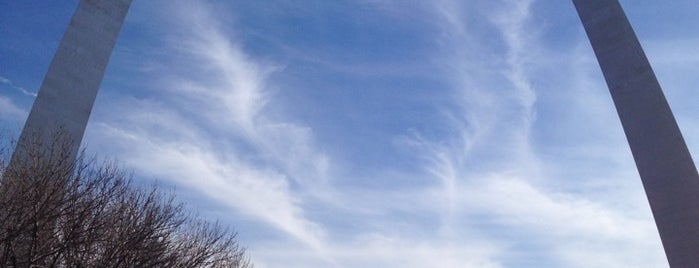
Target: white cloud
[
  {"x": 258, "y": 193},
  {"x": 488, "y": 198},
  {"x": 8, "y": 110},
  {"x": 8, "y": 82},
  {"x": 570, "y": 227},
  {"x": 381, "y": 250},
  {"x": 206, "y": 129},
  {"x": 489, "y": 170}
]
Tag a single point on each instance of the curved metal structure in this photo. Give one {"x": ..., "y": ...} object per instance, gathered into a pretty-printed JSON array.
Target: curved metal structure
[
  {"x": 69, "y": 89},
  {"x": 666, "y": 168}
]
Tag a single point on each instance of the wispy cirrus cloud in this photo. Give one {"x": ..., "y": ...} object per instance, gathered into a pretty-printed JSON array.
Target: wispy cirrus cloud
[
  {"x": 234, "y": 88},
  {"x": 482, "y": 189},
  {"x": 206, "y": 128},
  {"x": 8, "y": 109},
  {"x": 385, "y": 133},
  {"x": 22, "y": 90},
  {"x": 491, "y": 168}
]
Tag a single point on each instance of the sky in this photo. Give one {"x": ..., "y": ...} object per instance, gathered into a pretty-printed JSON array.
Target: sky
[{"x": 377, "y": 133}]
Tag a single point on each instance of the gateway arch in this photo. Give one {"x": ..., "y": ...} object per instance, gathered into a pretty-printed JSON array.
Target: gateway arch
[
  {"x": 69, "y": 89},
  {"x": 663, "y": 161},
  {"x": 666, "y": 168}
]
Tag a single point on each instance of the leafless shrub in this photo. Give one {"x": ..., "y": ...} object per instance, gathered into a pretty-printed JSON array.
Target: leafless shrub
[{"x": 56, "y": 212}]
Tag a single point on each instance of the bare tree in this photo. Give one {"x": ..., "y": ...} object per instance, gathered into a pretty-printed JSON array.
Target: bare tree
[{"x": 60, "y": 213}]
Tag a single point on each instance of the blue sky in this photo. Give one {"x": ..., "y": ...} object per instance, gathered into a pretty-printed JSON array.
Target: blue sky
[{"x": 377, "y": 133}]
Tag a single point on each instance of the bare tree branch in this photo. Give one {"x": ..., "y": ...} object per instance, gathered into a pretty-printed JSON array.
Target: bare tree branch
[{"x": 59, "y": 213}]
